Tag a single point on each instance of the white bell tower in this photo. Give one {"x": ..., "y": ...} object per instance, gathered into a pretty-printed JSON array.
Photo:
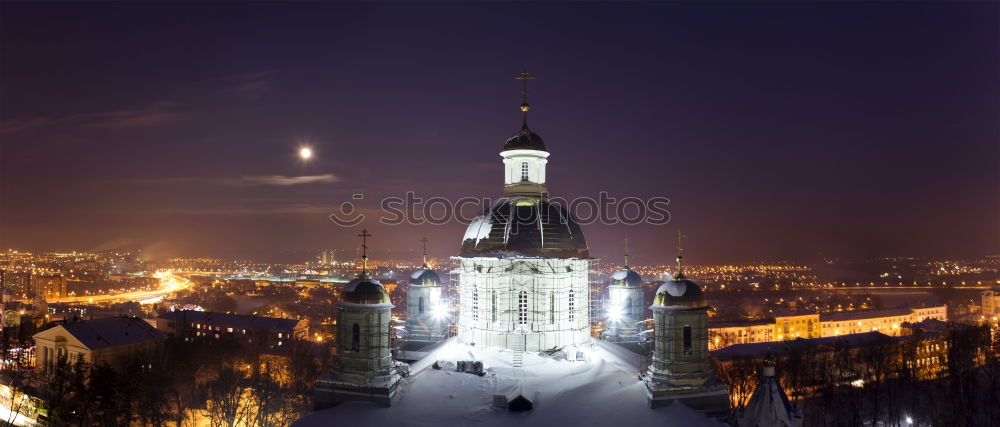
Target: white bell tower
[{"x": 524, "y": 155}]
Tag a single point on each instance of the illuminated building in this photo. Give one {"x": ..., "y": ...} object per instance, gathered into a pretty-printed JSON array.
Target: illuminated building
[
  {"x": 814, "y": 325},
  {"x": 885, "y": 321},
  {"x": 793, "y": 326},
  {"x": 524, "y": 263},
  {"x": 265, "y": 332},
  {"x": 625, "y": 308},
  {"x": 426, "y": 311},
  {"x": 991, "y": 302}
]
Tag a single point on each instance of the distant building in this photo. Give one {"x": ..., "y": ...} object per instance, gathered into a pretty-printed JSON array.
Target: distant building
[
  {"x": 991, "y": 303},
  {"x": 51, "y": 286},
  {"x": 327, "y": 257},
  {"x": 265, "y": 331},
  {"x": 111, "y": 340},
  {"x": 814, "y": 325},
  {"x": 887, "y": 322}
]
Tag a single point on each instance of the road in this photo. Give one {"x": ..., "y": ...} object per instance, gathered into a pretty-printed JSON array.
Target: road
[{"x": 169, "y": 283}]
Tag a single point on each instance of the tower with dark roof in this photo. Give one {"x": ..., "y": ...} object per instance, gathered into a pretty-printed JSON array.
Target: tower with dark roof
[
  {"x": 524, "y": 263},
  {"x": 364, "y": 368},
  {"x": 681, "y": 369}
]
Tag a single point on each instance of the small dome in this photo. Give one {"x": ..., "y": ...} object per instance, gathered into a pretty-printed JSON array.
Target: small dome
[
  {"x": 525, "y": 226},
  {"x": 425, "y": 277},
  {"x": 679, "y": 293},
  {"x": 524, "y": 140},
  {"x": 626, "y": 277},
  {"x": 364, "y": 290}
]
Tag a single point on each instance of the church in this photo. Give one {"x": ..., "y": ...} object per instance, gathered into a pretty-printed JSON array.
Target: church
[{"x": 523, "y": 330}]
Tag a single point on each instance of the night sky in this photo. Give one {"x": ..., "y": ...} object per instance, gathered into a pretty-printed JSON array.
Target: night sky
[{"x": 778, "y": 130}]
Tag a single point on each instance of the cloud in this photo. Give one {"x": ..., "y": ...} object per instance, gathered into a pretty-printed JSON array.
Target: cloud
[
  {"x": 282, "y": 180},
  {"x": 157, "y": 114}
]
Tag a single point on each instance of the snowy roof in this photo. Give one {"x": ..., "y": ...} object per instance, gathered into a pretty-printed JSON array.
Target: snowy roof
[
  {"x": 604, "y": 390},
  {"x": 112, "y": 332},
  {"x": 525, "y": 226},
  {"x": 365, "y": 290},
  {"x": 625, "y": 277},
  {"x": 679, "y": 293},
  {"x": 425, "y": 277}
]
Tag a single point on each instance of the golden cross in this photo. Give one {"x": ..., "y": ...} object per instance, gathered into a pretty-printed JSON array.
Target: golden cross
[
  {"x": 524, "y": 77},
  {"x": 364, "y": 250},
  {"x": 626, "y": 252},
  {"x": 423, "y": 240}
]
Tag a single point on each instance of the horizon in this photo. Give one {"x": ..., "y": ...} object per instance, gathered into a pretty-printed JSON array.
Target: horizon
[{"x": 775, "y": 133}]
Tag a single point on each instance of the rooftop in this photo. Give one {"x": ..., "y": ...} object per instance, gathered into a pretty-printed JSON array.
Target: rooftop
[
  {"x": 235, "y": 320},
  {"x": 112, "y": 332}
]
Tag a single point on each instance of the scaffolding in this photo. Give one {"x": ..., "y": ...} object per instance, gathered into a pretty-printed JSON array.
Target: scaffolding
[{"x": 526, "y": 303}]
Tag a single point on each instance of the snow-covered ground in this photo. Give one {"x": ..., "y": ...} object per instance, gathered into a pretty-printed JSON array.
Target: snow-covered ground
[{"x": 603, "y": 390}]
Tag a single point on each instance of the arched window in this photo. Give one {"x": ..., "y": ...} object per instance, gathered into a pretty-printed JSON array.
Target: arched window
[
  {"x": 572, "y": 305},
  {"x": 356, "y": 337},
  {"x": 687, "y": 339},
  {"x": 420, "y": 303},
  {"x": 522, "y": 308},
  {"x": 524, "y": 171},
  {"x": 628, "y": 308},
  {"x": 475, "y": 304},
  {"x": 493, "y": 307},
  {"x": 552, "y": 307}
]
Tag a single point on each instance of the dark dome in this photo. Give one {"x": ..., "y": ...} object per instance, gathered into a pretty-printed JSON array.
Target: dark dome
[
  {"x": 626, "y": 277},
  {"x": 524, "y": 140},
  {"x": 525, "y": 226},
  {"x": 425, "y": 277},
  {"x": 679, "y": 293},
  {"x": 363, "y": 290}
]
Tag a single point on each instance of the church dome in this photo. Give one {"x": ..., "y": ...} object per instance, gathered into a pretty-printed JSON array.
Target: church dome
[
  {"x": 425, "y": 277},
  {"x": 626, "y": 277},
  {"x": 525, "y": 139},
  {"x": 679, "y": 293},
  {"x": 525, "y": 226},
  {"x": 364, "y": 290}
]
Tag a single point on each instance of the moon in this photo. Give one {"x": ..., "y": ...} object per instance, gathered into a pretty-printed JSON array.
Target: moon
[{"x": 305, "y": 153}]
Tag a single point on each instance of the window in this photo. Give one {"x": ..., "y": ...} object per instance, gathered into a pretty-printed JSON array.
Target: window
[
  {"x": 475, "y": 304},
  {"x": 493, "y": 307},
  {"x": 552, "y": 307},
  {"x": 524, "y": 171},
  {"x": 628, "y": 309},
  {"x": 572, "y": 305},
  {"x": 522, "y": 308},
  {"x": 420, "y": 304},
  {"x": 356, "y": 337},
  {"x": 687, "y": 339}
]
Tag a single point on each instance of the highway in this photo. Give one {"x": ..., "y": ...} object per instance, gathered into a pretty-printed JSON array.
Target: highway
[{"x": 169, "y": 283}]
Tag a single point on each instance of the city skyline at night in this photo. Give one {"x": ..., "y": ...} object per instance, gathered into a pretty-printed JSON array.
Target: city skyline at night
[{"x": 777, "y": 131}]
